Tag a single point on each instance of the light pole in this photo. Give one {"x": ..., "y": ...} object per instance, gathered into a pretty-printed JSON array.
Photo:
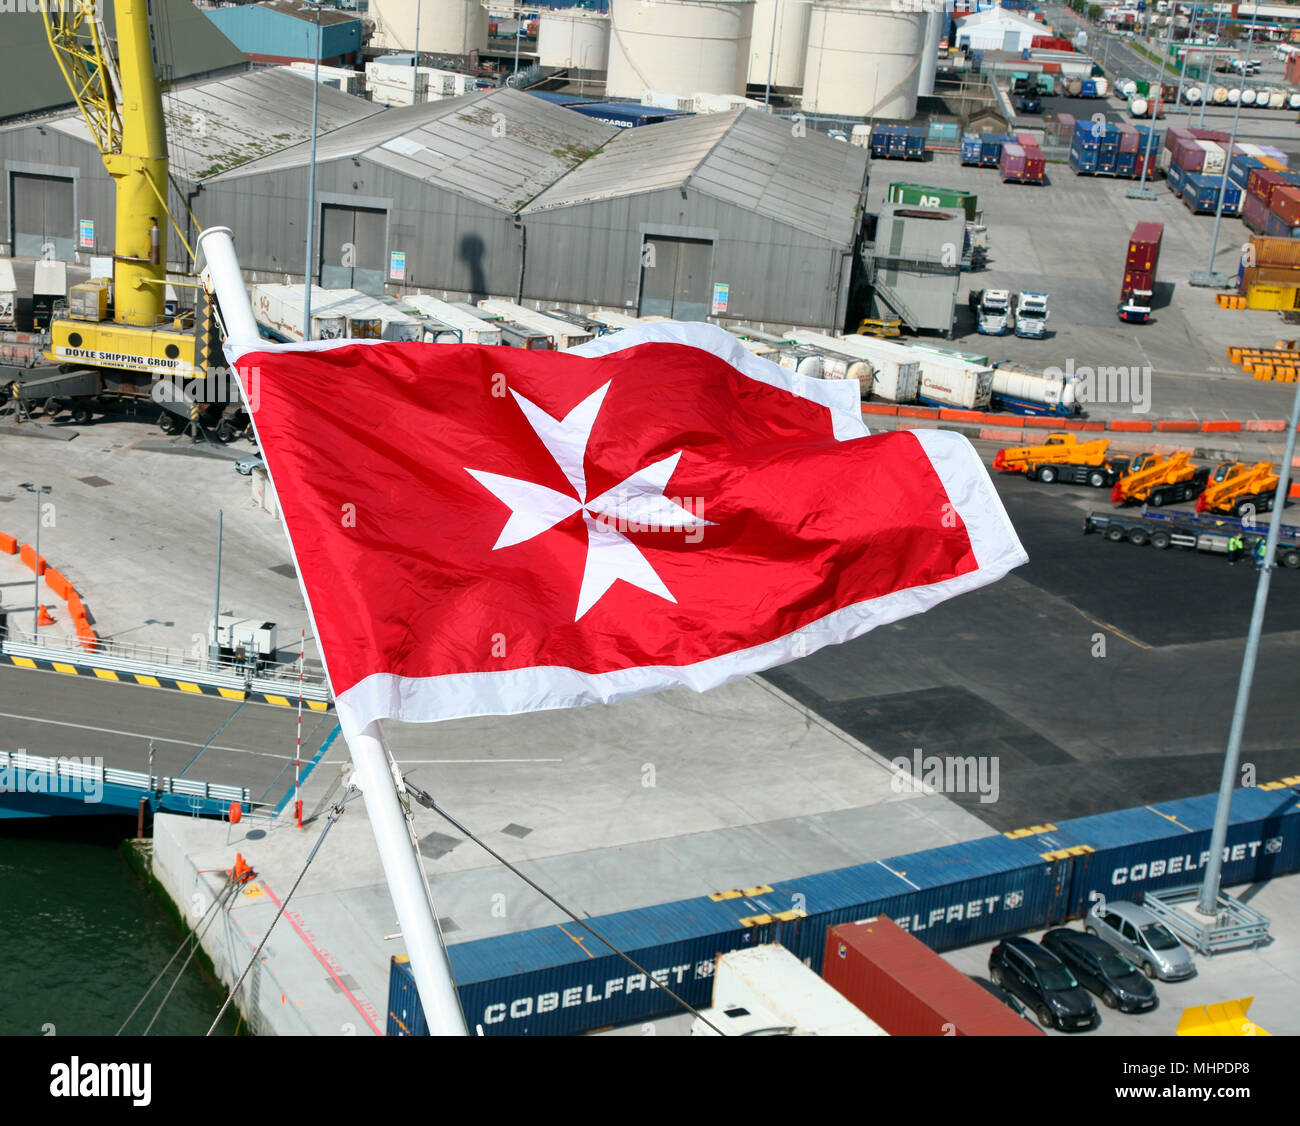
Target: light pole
[
  {"x": 1209, "y": 898},
  {"x": 38, "y": 491},
  {"x": 415, "y": 55},
  {"x": 311, "y": 181},
  {"x": 1208, "y": 278},
  {"x": 1218, "y": 27},
  {"x": 771, "y": 54},
  {"x": 214, "y": 650}
]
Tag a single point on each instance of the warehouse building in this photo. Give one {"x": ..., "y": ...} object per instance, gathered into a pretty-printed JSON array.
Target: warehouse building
[
  {"x": 279, "y": 32},
  {"x": 727, "y": 215},
  {"x": 499, "y": 193},
  {"x": 997, "y": 29},
  {"x": 55, "y": 192},
  {"x": 187, "y": 47}
]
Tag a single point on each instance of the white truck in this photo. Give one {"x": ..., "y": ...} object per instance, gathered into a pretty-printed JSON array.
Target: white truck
[
  {"x": 992, "y": 308},
  {"x": 767, "y": 991},
  {"x": 1031, "y": 315}
]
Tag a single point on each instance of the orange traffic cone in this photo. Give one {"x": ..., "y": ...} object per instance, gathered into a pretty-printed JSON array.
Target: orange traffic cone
[
  {"x": 243, "y": 871},
  {"x": 43, "y": 617}
]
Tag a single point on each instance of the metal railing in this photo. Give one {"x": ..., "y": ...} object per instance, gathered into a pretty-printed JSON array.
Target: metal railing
[
  {"x": 175, "y": 663},
  {"x": 131, "y": 779}
]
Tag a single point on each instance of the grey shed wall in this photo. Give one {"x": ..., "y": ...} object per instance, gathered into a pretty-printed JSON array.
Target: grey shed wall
[
  {"x": 591, "y": 253},
  {"x": 450, "y": 242}
]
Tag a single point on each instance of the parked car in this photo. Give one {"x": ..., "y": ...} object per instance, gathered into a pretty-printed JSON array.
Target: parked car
[
  {"x": 1136, "y": 933},
  {"x": 246, "y": 465},
  {"x": 1040, "y": 979},
  {"x": 1103, "y": 970},
  {"x": 1030, "y": 103}
]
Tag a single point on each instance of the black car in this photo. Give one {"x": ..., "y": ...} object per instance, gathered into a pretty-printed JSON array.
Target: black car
[
  {"x": 1102, "y": 970},
  {"x": 1040, "y": 979}
]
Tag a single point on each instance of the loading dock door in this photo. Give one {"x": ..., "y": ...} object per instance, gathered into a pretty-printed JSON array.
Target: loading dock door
[
  {"x": 42, "y": 216},
  {"x": 675, "y": 276},
  {"x": 353, "y": 250}
]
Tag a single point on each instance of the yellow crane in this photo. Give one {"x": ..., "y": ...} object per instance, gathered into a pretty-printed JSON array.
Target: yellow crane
[{"x": 123, "y": 354}]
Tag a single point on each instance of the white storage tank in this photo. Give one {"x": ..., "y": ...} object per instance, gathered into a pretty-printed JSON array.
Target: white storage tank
[
  {"x": 679, "y": 45},
  {"x": 1293, "y": 101},
  {"x": 573, "y": 38},
  {"x": 936, "y": 21},
  {"x": 1248, "y": 97},
  {"x": 791, "y": 43},
  {"x": 449, "y": 27},
  {"x": 864, "y": 59}
]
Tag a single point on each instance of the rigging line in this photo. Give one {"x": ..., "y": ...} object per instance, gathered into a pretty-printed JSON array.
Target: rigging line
[
  {"x": 428, "y": 802},
  {"x": 225, "y": 897},
  {"x": 211, "y": 906},
  {"x": 424, "y": 876},
  {"x": 334, "y": 815}
]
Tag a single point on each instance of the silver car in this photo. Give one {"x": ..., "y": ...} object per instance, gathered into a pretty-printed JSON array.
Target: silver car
[{"x": 1136, "y": 932}]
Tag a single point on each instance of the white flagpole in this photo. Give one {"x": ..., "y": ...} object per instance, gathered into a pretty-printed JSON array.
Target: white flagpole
[{"x": 397, "y": 852}]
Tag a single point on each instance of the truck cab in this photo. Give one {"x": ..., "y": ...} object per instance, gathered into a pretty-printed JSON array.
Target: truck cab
[
  {"x": 1031, "y": 315},
  {"x": 1136, "y": 307},
  {"x": 992, "y": 311}
]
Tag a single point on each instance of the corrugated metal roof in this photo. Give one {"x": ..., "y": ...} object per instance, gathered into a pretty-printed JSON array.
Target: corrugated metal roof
[
  {"x": 31, "y": 82},
  {"x": 746, "y": 157},
  {"x": 499, "y": 147},
  {"x": 307, "y": 15},
  {"x": 218, "y": 125}
]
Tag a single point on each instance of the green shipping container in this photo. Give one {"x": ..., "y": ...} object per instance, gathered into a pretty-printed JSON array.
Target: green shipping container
[
  {"x": 921, "y": 195},
  {"x": 1143, "y": 87}
]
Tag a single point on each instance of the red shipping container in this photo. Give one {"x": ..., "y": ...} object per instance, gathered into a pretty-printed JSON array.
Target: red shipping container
[
  {"x": 1189, "y": 156},
  {"x": 1035, "y": 165},
  {"x": 907, "y": 989},
  {"x": 1137, "y": 280},
  {"x": 1262, "y": 182},
  {"x": 1026, "y": 141},
  {"x": 1174, "y": 135},
  {"x": 1210, "y": 135},
  {"x": 1286, "y": 204},
  {"x": 1144, "y": 247},
  {"x": 1254, "y": 213},
  {"x": 1293, "y": 68},
  {"x": 1013, "y": 161}
]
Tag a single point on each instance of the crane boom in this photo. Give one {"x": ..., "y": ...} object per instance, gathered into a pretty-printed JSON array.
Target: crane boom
[{"x": 120, "y": 101}]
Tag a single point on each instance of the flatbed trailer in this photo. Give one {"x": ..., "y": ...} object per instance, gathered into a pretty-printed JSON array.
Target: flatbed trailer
[{"x": 1194, "y": 531}]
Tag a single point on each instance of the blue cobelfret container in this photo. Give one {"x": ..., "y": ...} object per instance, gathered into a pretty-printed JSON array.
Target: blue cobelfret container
[
  {"x": 1126, "y": 164},
  {"x": 1239, "y": 168},
  {"x": 1175, "y": 177},
  {"x": 970, "y": 148},
  {"x": 1201, "y": 194},
  {"x": 556, "y": 980},
  {"x": 914, "y": 142},
  {"x": 1089, "y": 89},
  {"x": 880, "y": 139},
  {"x": 991, "y": 149}
]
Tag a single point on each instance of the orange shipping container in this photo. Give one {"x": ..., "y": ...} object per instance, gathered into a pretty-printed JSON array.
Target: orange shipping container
[
  {"x": 1272, "y": 164},
  {"x": 1275, "y": 252}
]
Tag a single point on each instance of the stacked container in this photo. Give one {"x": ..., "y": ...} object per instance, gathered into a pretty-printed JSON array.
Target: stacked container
[
  {"x": 1141, "y": 259},
  {"x": 1021, "y": 164},
  {"x": 1201, "y": 194},
  {"x": 1112, "y": 150},
  {"x": 1273, "y": 279}
]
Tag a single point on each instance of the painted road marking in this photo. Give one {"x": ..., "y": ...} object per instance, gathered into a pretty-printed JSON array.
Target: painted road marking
[{"x": 142, "y": 735}]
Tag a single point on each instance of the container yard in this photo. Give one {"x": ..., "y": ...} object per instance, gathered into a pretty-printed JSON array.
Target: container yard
[{"x": 1078, "y": 273}]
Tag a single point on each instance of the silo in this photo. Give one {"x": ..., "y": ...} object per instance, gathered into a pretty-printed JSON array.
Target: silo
[
  {"x": 935, "y": 22},
  {"x": 863, "y": 59},
  {"x": 447, "y": 27},
  {"x": 680, "y": 46},
  {"x": 781, "y": 36},
  {"x": 573, "y": 38}
]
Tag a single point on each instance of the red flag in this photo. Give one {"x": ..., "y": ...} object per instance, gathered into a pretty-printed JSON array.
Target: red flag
[{"x": 486, "y": 530}]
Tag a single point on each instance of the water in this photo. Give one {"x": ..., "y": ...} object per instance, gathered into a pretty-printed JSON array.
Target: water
[{"x": 84, "y": 936}]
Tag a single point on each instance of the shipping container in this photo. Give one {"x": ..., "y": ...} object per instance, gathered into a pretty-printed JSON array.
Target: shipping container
[
  {"x": 908, "y": 989},
  {"x": 1189, "y": 156},
  {"x": 770, "y": 979},
  {"x": 472, "y": 329},
  {"x": 625, "y": 115},
  {"x": 923, "y": 195},
  {"x": 1137, "y": 281},
  {"x": 564, "y": 333},
  {"x": 1285, "y": 204},
  {"x": 1031, "y": 393},
  {"x": 970, "y": 148},
  {"x": 947, "y": 381},
  {"x": 543, "y": 982},
  {"x": 1144, "y": 246},
  {"x": 1035, "y": 166},
  {"x": 280, "y": 310},
  {"x": 1275, "y": 226},
  {"x": 1239, "y": 168},
  {"x": 897, "y": 371},
  {"x": 1201, "y": 194},
  {"x": 1215, "y": 158},
  {"x": 1262, "y": 181},
  {"x": 1273, "y": 252},
  {"x": 1254, "y": 213},
  {"x": 1012, "y": 161}
]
